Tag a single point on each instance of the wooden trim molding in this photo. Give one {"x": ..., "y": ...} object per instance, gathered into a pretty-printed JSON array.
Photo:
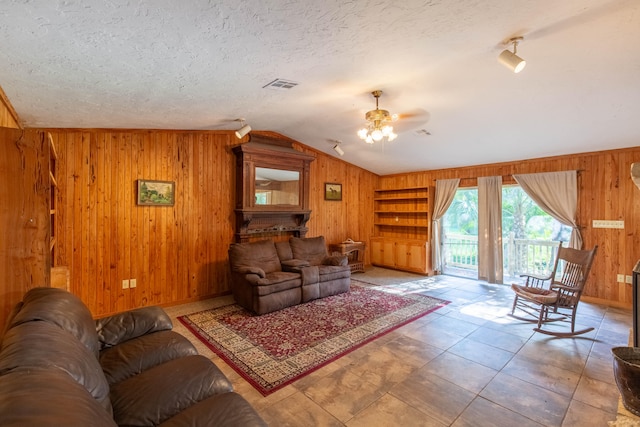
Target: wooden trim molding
[{"x": 9, "y": 108}]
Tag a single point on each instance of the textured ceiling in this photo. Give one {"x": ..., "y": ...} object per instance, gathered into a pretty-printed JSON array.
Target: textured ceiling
[{"x": 201, "y": 64}]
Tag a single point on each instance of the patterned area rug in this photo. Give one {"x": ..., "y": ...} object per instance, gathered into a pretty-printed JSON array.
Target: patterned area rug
[{"x": 275, "y": 349}]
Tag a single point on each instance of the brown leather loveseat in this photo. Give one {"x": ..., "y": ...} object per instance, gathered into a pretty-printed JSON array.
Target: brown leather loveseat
[
  {"x": 267, "y": 276},
  {"x": 59, "y": 367}
]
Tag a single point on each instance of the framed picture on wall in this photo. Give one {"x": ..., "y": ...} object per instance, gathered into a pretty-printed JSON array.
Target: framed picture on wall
[
  {"x": 332, "y": 191},
  {"x": 156, "y": 193}
]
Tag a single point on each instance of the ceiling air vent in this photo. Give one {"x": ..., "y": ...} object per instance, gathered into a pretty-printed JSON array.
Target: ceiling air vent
[{"x": 280, "y": 84}]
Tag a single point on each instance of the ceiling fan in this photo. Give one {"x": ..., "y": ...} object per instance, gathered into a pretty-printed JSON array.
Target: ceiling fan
[{"x": 380, "y": 123}]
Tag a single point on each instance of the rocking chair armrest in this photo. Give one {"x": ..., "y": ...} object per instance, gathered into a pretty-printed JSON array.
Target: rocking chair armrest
[
  {"x": 535, "y": 280},
  {"x": 564, "y": 287},
  {"x": 536, "y": 276}
]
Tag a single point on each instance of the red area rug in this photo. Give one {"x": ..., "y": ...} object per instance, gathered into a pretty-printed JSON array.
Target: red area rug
[{"x": 275, "y": 349}]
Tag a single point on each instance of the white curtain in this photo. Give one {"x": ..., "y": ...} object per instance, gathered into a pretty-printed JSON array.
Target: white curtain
[
  {"x": 445, "y": 192},
  {"x": 557, "y": 194},
  {"x": 490, "y": 229}
]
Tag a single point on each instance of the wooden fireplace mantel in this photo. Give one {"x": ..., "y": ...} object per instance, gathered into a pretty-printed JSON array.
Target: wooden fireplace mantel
[{"x": 255, "y": 219}]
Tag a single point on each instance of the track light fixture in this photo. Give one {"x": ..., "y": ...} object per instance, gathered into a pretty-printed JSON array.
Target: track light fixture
[
  {"x": 245, "y": 129},
  {"x": 510, "y": 59},
  {"x": 338, "y": 149}
]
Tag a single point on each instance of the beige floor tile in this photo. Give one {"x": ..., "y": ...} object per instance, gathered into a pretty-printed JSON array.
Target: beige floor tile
[
  {"x": 483, "y": 354},
  {"x": 390, "y": 411},
  {"x": 598, "y": 394},
  {"x": 435, "y": 336},
  {"x": 456, "y": 326},
  {"x": 581, "y": 415},
  {"x": 382, "y": 368},
  {"x": 547, "y": 376},
  {"x": 462, "y": 372},
  {"x": 501, "y": 340},
  {"x": 534, "y": 402},
  {"x": 298, "y": 410},
  {"x": 482, "y": 413},
  {"x": 434, "y": 396},
  {"x": 411, "y": 351},
  {"x": 343, "y": 394},
  {"x": 600, "y": 369},
  {"x": 564, "y": 358}
]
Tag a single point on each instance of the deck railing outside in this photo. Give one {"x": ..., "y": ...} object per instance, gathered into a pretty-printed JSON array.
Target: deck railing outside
[{"x": 520, "y": 256}]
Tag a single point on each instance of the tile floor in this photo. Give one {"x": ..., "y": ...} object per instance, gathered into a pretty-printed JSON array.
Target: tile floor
[{"x": 467, "y": 364}]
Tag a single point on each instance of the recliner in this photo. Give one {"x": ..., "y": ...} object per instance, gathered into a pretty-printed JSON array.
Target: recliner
[{"x": 268, "y": 276}]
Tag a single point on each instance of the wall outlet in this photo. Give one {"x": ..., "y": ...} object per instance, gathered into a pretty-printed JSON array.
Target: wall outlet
[
  {"x": 125, "y": 284},
  {"x": 132, "y": 283},
  {"x": 620, "y": 278},
  {"x": 628, "y": 279}
]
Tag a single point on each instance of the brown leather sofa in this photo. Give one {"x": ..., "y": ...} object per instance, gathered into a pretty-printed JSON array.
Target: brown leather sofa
[
  {"x": 267, "y": 276},
  {"x": 59, "y": 367}
]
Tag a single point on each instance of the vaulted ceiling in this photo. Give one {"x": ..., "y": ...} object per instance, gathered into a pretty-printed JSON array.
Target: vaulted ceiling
[{"x": 202, "y": 64}]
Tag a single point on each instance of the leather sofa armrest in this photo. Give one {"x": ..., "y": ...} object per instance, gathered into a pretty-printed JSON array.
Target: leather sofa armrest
[
  {"x": 335, "y": 260},
  {"x": 294, "y": 265},
  {"x": 252, "y": 270},
  {"x": 127, "y": 325}
]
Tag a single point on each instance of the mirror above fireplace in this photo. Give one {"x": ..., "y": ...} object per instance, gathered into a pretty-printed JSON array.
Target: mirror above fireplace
[{"x": 276, "y": 187}]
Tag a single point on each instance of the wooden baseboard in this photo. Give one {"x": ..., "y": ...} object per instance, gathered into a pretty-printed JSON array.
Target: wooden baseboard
[{"x": 617, "y": 304}]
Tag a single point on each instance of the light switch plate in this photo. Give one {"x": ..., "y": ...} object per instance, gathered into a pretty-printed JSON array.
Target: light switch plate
[{"x": 603, "y": 223}]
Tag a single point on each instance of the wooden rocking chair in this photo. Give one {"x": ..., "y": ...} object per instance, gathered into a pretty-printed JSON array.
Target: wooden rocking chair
[{"x": 560, "y": 297}]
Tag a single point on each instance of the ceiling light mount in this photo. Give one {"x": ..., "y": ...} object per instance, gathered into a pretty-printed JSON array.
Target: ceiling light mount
[
  {"x": 379, "y": 124},
  {"x": 244, "y": 129},
  {"x": 337, "y": 148},
  {"x": 510, "y": 59}
]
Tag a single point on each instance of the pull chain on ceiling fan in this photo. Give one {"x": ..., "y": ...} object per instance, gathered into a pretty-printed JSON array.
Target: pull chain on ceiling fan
[{"x": 379, "y": 124}]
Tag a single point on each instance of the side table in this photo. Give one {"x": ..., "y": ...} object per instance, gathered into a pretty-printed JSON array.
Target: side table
[{"x": 354, "y": 252}]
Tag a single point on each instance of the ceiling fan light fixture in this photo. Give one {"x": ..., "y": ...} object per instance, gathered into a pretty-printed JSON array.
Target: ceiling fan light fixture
[
  {"x": 510, "y": 59},
  {"x": 338, "y": 149},
  {"x": 378, "y": 124}
]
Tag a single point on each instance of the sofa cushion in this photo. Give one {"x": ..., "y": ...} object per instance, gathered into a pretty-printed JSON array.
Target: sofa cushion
[
  {"x": 61, "y": 308},
  {"x": 42, "y": 344},
  {"x": 139, "y": 354},
  {"x": 312, "y": 249},
  {"x": 261, "y": 254},
  {"x": 40, "y": 396},
  {"x": 284, "y": 251},
  {"x": 160, "y": 393},
  {"x": 131, "y": 324},
  {"x": 277, "y": 282},
  {"x": 221, "y": 410},
  {"x": 332, "y": 272}
]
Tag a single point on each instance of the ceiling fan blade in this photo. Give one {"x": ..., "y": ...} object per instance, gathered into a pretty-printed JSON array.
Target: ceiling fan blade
[{"x": 411, "y": 120}]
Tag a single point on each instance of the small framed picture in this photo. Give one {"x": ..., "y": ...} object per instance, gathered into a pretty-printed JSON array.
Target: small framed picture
[
  {"x": 332, "y": 191},
  {"x": 156, "y": 193}
]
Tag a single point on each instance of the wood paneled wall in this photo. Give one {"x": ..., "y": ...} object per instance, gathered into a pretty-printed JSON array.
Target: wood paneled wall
[
  {"x": 8, "y": 116},
  {"x": 24, "y": 216},
  {"x": 605, "y": 192},
  {"x": 178, "y": 253}
]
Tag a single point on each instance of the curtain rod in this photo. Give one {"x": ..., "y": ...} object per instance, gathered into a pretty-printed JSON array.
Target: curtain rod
[{"x": 511, "y": 175}]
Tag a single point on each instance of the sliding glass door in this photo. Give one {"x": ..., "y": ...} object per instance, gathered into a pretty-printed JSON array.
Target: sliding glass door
[{"x": 529, "y": 236}]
